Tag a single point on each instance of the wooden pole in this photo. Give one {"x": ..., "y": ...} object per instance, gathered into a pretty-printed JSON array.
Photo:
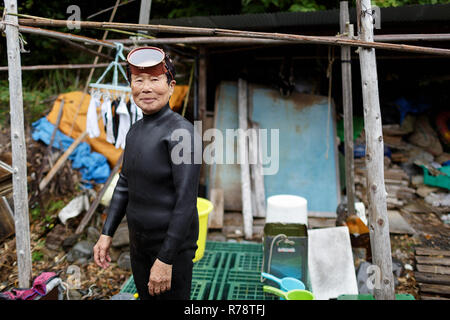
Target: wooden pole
[
  {"x": 257, "y": 173},
  {"x": 18, "y": 144},
  {"x": 37, "y": 21},
  {"x": 202, "y": 98},
  {"x": 144, "y": 13},
  {"x": 61, "y": 161},
  {"x": 244, "y": 161},
  {"x": 68, "y": 36},
  {"x": 348, "y": 108},
  {"x": 249, "y": 41},
  {"x": 378, "y": 218},
  {"x": 61, "y": 66},
  {"x": 85, "y": 49}
]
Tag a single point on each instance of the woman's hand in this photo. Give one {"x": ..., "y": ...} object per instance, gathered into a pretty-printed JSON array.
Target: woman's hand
[
  {"x": 101, "y": 251},
  {"x": 160, "y": 278}
]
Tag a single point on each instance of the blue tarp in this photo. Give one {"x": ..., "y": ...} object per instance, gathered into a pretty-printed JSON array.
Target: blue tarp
[{"x": 92, "y": 165}]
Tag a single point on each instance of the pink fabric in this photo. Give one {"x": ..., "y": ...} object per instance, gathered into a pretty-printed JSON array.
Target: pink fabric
[{"x": 39, "y": 288}]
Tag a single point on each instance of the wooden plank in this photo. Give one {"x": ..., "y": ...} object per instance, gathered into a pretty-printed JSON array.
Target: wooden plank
[
  {"x": 144, "y": 13},
  {"x": 257, "y": 176},
  {"x": 216, "y": 216},
  {"x": 247, "y": 211},
  {"x": 433, "y": 260},
  {"x": 376, "y": 191},
  {"x": 95, "y": 204},
  {"x": 427, "y": 297},
  {"x": 18, "y": 144},
  {"x": 433, "y": 269},
  {"x": 314, "y": 222},
  {"x": 348, "y": 108},
  {"x": 432, "y": 278},
  {"x": 58, "y": 165},
  {"x": 6, "y": 219},
  {"x": 432, "y": 252},
  {"x": 434, "y": 288}
]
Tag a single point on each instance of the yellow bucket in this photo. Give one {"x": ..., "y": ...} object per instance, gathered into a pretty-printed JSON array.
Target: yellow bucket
[{"x": 204, "y": 207}]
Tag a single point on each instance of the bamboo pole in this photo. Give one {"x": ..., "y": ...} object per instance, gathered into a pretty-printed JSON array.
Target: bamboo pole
[
  {"x": 37, "y": 21},
  {"x": 61, "y": 66},
  {"x": 83, "y": 48},
  {"x": 18, "y": 144},
  {"x": 248, "y": 41},
  {"x": 378, "y": 218},
  {"x": 68, "y": 36},
  {"x": 348, "y": 108}
]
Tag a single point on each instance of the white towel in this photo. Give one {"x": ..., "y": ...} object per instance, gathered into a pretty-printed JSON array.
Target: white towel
[
  {"x": 108, "y": 119},
  {"x": 124, "y": 123},
  {"x": 91, "y": 117}
]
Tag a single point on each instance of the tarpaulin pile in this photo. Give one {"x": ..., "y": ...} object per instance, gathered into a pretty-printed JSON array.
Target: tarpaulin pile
[{"x": 96, "y": 156}]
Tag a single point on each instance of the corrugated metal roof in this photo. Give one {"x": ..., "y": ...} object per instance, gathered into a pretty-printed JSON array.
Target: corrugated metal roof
[{"x": 413, "y": 13}]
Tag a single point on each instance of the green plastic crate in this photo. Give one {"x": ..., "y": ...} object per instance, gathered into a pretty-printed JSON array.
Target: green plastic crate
[
  {"x": 248, "y": 261},
  {"x": 233, "y": 246},
  {"x": 247, "y": 291},
  {"x": 199, "y": 288},
  {"x": 129, "y": 286},
  {"x": 224, "y": 263}
]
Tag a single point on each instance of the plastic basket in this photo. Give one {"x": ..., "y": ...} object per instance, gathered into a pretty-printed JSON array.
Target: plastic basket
[
  {"x": 204, "y": 207},
  {"x": 442, "y": 181}
]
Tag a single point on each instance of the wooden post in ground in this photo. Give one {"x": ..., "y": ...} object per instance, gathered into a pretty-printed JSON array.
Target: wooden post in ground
[
  {"x": 378, "y": 218},
  {"x": 244, "y": 160},
  {"x": 347, "y": 103},
  {"x": 19, "y": 155},
  {"x": 202, "y": 102},
  {"x": 144, "y": 13}
]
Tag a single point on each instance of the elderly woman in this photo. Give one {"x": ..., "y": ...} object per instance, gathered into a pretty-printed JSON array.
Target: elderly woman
[{"x": 157, "y": 193}]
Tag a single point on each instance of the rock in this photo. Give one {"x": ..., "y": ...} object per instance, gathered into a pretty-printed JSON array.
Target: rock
[
  {"x": 83, "y": 249},
  {"x": 74, "y": 294},
  {"x": 55, "y": 237},
  {"x": 70, "y": 241},
  {"x": 93, "y": 234},
  {"x": 121, "y": 237},
  {"x": 81, "y": 261},
  {"x": 114, "y": 253},
  {"x": 124, "y": 261}
]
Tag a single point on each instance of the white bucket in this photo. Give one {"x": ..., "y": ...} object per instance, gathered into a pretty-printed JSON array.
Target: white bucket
[{"x": 285, "y": 208}]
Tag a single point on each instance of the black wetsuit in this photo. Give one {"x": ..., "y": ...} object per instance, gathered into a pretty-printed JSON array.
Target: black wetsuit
[{"x": 159, "y": 197}]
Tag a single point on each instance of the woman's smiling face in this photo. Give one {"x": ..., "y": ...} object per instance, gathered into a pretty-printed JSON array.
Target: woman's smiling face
[{"x": 151, "y": 93}]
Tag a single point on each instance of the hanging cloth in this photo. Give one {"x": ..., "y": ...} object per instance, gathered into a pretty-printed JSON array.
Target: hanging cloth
[
  {"x": 136, "y": 112},
  {"x": 91, "y": 117},
  {"x": 108, "y": 119},
  {"x": 124, "y": 123},
  {"x": 114, "y": 106}
]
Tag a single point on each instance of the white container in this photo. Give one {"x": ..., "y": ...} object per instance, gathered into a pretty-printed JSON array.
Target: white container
[{"x": 285, "y": 208}]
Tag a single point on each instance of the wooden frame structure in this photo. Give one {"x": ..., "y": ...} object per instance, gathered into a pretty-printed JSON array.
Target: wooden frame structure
[{"x": 378, "y": 221}]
